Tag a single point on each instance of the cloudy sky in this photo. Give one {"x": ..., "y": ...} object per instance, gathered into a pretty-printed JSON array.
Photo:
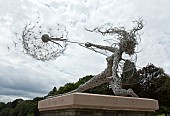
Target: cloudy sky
[{"x": 21, "y": 76}]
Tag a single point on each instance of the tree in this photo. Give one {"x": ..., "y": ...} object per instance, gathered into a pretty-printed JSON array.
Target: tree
[
  {"x": 27, "y": 107},
  {"x": 162, "y": 93},
  {"x": 66, "y": 88},
  {"x": 16, "y": 102},
  {"x": 53, "y": 92},
  {"x": 153, "y": 83},
  {"x": 5, "y": 112},
  {"x": 36, "y": 99},
  {"x": 2, "y": 105},
  {"x": 84, "y": 80}
]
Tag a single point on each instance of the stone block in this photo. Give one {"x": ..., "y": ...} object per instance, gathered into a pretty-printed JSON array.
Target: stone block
[{"x": 85, "y": 104}]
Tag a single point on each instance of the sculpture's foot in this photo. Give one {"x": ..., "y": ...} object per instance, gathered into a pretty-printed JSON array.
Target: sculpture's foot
[{"x": 132, "y": 93}]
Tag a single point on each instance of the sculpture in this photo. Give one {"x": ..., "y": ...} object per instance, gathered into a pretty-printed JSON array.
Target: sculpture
[
  {"x": 37, "y": 40},
  {"x": 127, "y": 41}
]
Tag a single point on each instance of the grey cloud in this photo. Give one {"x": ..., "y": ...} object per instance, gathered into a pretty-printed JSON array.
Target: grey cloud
[{"x": 23, "y": 80}]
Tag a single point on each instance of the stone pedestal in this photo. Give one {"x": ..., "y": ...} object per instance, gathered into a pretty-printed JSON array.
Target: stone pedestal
[{"x": 84, "y": 104}]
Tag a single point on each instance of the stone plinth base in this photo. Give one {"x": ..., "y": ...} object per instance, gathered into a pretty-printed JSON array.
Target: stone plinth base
[{"x": 83, "y": 104}]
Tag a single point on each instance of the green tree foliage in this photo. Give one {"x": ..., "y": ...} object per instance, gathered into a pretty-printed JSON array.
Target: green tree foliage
[
  {"x": 27, "y": 108},
  {"x": 9, "y": 108},
  {"x": 66, "y": 88},
  {"x": 162, "y": 87},
  {"x": 16, "y": 102},
  {"x": 2, "y": 105},
  {"x": 20, "y": 107},
  {"x": 161, "y": 92},
  {"x": 53, "y": 92},
  {"x": 36, "y": 99},
  {"x": 153, "y": 83},
  {"x": 6, "y": 112},
  {"x": 83, "y": 80}
]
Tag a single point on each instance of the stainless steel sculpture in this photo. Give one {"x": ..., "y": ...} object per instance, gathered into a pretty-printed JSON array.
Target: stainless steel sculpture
[
  {"x": 38, "y": 45},
  {"x": 126, "y": 44}
]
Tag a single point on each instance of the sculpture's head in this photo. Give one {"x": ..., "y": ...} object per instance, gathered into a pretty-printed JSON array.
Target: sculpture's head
[
  {"x": 128, "y": 44},
  {"x": 129, "y": 39}
]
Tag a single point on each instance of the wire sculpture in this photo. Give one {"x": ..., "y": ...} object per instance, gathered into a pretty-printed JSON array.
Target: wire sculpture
[
  {"x": 127, "y": 41},
  {"x": 45, "y": 45},
  {"x": 40, "y": 41}
]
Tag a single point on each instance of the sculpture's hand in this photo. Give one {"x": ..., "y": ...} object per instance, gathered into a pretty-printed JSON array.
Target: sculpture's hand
[{"x": 88, "y": 44}]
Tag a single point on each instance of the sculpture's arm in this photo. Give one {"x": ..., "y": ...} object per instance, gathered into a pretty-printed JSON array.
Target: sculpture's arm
[{"x": 111, "y": 49}]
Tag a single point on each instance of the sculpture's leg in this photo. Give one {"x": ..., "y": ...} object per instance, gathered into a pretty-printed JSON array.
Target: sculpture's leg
[
  {"x": 124, "y": 92},
  {"x": 117, "y": 89},
  {"x": 132, "y": 93},
  {"x": 94, "y": 82},
  {"x": 98, "y": 79},
  {"x": 116, "y": 83}
]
